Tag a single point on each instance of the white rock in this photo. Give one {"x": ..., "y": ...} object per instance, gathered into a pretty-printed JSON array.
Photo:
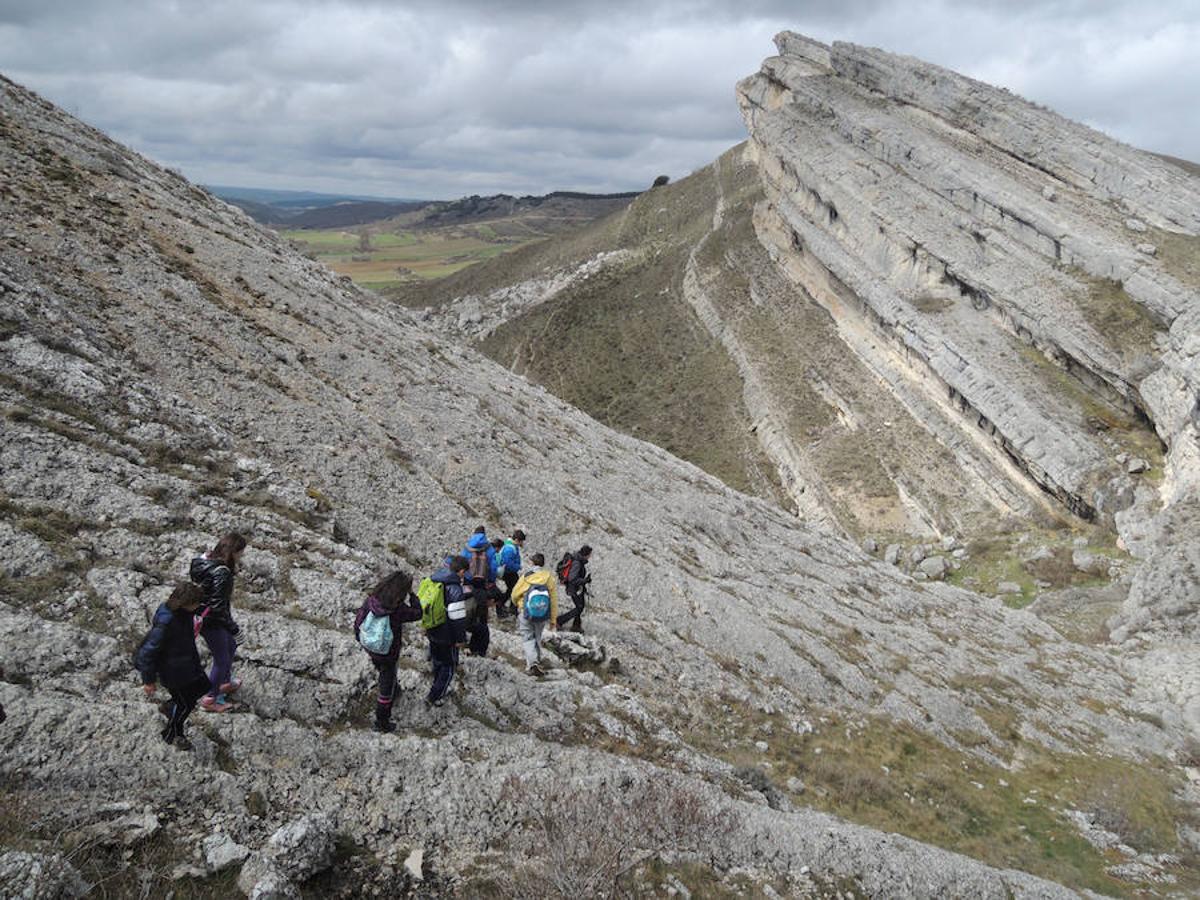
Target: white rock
[{"x": 414, "y": 863}]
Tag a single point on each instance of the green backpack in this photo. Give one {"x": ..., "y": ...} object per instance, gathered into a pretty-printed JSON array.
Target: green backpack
[{"x": 432, "y": 595}]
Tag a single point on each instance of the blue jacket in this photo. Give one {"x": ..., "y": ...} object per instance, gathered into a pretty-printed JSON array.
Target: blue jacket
[
  {"x": 510, "y": 557},
  {"x": 479, "y": 542},
  {"x": 454, "y": 629},
  {"x": 168, "y": 653}
]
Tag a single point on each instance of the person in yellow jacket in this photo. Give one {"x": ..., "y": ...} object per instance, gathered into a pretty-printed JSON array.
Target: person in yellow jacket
[{"x": 534, "y": 586}]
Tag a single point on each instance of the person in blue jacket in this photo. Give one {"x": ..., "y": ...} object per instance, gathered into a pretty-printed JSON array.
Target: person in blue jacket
[
  {"x": 482, "y": 569},
  {"x": 509, "y": 571},
  {"x": 446, "y": 639},
  {"x": 168, "y": 654}
]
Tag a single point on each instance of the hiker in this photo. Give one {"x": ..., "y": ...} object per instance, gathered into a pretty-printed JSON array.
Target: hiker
[
  {"x": 378, "y": 627},
  {"x": 443, "y": 616},
  {"x": 572, "y": 572},
  {"x": 214, "y": 573},
  {"x": 168, "y": 654},
  {"x": 536, "y": 598},
  {"x": 509, "y": 570},
  {"x": 481, "y": 575}
]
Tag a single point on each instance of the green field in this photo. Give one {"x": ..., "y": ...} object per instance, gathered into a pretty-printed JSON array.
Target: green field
[{"x": 382, "y": 259}]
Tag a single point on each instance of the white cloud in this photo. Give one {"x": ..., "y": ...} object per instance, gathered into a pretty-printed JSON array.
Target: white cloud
[{"x": 445, "y": 98}]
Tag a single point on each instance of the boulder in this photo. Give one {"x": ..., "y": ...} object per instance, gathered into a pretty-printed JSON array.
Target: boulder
[
  {"x": 933, "y": 568},
  {"x": 294, "y": 853},
  {"x": 1089, "y": 563},
  {"x": 221, "y": 852},
  {"x": 36, "y": 876}
]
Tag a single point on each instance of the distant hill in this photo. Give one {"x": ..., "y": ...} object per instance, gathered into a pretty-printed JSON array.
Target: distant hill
[
  {"x": 310, "y": 210},
  {"x": 307, "y": 209}
]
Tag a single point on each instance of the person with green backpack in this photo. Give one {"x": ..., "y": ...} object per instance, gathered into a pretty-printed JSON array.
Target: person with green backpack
[
  {"x": 378, "y": 628},
  {"x": 444, "y": 600},
  {"x": 536, "y": 598}
]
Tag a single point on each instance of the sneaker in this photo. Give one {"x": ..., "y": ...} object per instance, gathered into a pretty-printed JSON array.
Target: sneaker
[
  {"x": 230, "y": 687},
  {"x": 215, "y": 704}
]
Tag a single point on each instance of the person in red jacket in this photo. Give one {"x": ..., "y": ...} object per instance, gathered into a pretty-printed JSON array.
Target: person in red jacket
[{"x": 394, "y": 600}]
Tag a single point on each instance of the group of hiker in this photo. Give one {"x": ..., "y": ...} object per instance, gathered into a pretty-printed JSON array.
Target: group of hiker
[{"x": 452, "y": 605}]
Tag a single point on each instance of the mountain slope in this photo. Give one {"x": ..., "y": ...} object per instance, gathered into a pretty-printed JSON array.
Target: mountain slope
[{"x": 170, "y": 371}]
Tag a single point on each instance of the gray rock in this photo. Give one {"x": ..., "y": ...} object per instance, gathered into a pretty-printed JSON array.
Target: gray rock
[
  {"x": 934, "y": 567},
  {"x": 36, "y": 876},
  {"x": 1136, "y": 466},
  {"x": 892, "y": 554},
  {"x": 1008, "y": 587},
  {"x": 221, "y": 852},
  {"x": 1088, "y": 562}
]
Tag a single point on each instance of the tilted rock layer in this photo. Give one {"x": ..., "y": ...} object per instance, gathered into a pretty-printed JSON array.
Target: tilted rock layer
[
  {"x": 169, "y": 371},
  {"x": 1027, "y": 274}
]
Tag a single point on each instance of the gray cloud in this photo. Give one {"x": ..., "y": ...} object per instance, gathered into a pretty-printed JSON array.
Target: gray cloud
[{"x": 438, "y": 99}]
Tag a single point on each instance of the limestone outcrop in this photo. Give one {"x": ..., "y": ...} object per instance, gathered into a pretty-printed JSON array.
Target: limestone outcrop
[{"x": 1022, "y": 271}]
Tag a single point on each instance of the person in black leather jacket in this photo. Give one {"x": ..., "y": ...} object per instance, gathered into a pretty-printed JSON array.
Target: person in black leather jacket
[
  {"x": 168, "y": 654},
  {"x": 214, "y": 573}
]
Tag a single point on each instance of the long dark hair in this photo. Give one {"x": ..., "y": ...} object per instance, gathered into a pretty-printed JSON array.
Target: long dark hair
[
  {"x": 227, "y": 548},
  {"x": 392, "y": 591}
]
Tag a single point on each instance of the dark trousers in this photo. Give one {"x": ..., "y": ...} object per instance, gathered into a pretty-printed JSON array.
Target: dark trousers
[
  {"x": 477, "y": 627},
  {"x": 578, "y": 598},
  {"x": 222, "y": 645},
  {"x": 445, "y": 660},
  {"x": 477, "y": 621},
  {"x": 184, "y": 697},
  {"x": 387, "y": 687},
  {"x": 504, "y": 607}
]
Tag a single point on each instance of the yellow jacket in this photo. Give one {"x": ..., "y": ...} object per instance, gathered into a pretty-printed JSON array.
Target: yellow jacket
[{"x": 537, "y": 576}]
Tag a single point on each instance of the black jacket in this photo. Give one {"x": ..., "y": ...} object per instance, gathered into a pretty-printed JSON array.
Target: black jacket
[
  {"x": 577, "y": 574},
  {"x": 168, "y": 654},
  {"x": 216, "y": 580}
]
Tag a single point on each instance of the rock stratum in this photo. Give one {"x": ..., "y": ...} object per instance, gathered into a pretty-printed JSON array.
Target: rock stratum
[{"x": 787, "y": 714}]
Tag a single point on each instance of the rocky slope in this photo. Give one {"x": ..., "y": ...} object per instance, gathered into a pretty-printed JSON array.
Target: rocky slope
[{"x": 169, "y": 370}]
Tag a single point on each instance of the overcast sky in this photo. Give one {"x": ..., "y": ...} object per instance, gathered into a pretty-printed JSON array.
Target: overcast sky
[{"x": 442, "y": 99}]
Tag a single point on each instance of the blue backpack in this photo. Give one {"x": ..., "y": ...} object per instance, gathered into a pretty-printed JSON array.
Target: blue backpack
[
  {"x": 375, "y": 634},
  {"x": 537, "y": 603}
]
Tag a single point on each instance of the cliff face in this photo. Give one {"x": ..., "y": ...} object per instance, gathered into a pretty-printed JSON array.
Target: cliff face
[
  {"x": 1032, "y": 278},
  {"x": 169, "y": 371}
]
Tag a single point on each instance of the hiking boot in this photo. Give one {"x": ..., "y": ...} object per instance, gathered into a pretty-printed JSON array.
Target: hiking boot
[
  {"x": 215, "y": 704},
  {"x": 182, "y": 743},
  {"x": 384, "y": 726},
  {"x": 537, "y": 670},
  {"x": 230, "y": 687}
]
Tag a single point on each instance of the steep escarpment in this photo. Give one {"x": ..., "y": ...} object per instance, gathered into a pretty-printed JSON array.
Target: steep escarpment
[
  {"x": 169, "y": 370},
  {"x": 986, "y": 253}
]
